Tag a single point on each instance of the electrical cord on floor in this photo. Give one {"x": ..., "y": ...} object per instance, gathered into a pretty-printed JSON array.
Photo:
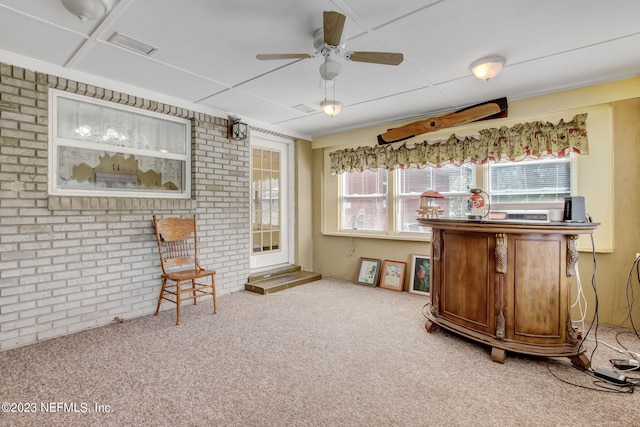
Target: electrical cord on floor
[
  {"x": 599, "y": 385},
  {"x": 627, "y": 384},
  {"x": 632, "y": 354},
  {"x": 630, "y": 296}
]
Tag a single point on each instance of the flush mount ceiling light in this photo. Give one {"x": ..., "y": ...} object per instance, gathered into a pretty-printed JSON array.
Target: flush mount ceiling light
[
  {"x": 487, "y": 68},
  {"x": 88, "y": 9}
]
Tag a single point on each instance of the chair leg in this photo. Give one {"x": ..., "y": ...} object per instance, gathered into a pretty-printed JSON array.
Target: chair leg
[
  {"x": 213, "y": 290},
  {"x": 177, "y": 302},
  {"x": 164, "y": 283},
  {"x": 193, "y": 285}
]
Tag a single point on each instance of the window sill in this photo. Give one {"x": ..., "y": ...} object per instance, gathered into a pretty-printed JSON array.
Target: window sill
[
  {"x": 364, "y": 235},
  {"x": 76, "y": 203}
]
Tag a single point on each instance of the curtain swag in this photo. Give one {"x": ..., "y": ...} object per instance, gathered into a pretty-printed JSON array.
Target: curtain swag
[{"x": 534, "y": 139}]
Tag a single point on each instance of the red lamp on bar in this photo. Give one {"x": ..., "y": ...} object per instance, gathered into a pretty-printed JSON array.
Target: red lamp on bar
[{"x": 476, "y": 202}]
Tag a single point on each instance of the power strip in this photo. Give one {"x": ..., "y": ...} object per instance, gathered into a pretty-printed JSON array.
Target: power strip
[
  {"x": 625, "y": 364},
  {"x": 612, "y": 377}
]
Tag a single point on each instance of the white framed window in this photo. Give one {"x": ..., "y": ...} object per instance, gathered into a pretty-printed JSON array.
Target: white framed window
[
  {"x": 364, "y": 203},
  {"x": 531, "y": 183},
  {"x": 452, "y": 181},
  {"x": 99, "y": 148},
  {"x": 528, "y": 184}
]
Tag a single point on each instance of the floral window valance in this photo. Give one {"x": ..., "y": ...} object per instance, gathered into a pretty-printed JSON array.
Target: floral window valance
[{"x": 534, "y": 139}]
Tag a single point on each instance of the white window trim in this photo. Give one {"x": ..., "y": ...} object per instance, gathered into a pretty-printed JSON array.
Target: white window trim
[
  {"x": 481, "y": 177},
  {"x": 54, "y": 94}
]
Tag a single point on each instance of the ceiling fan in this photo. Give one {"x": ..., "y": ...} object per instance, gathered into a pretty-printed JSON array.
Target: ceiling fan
[{"x": 328, "y": 42}]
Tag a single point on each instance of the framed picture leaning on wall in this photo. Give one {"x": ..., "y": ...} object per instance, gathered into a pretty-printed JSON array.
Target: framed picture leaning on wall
[
  {"x": 368, "y": 272},
  {"x": 420, "y": 282},
  {"x": 393, "y": 275}
]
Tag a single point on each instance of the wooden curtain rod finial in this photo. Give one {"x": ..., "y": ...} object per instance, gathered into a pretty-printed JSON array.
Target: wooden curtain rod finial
[{"x": 433, "y": 124}]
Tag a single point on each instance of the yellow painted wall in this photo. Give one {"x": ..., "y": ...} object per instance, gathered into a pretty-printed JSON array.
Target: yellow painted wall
[
  {"x": 612, "y": 269},
  {"x": 338, "y": 256},
  {"x": 303, "y": 205}
]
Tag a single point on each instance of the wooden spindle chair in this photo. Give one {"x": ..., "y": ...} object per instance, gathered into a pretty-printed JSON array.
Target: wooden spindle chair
[{"x": 178, "y": 248}]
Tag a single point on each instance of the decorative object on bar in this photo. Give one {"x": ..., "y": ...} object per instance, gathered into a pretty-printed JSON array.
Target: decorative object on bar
[
  {"x": 428, "y": 209},
  {"x": 476, "y": 202}
]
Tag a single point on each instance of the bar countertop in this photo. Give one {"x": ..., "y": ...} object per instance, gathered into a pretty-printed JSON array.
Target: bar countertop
[{"x": 509, "y": 226}]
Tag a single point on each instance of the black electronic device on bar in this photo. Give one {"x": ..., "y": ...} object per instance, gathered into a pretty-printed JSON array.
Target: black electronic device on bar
[{"x": 574, "y": 210}]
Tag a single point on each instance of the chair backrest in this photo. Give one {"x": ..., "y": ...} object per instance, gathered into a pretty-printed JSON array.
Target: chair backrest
[{"x": 177, "y": 242}]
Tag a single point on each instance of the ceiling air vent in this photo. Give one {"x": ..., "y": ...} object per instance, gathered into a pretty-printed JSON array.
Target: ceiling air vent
[
  {"x": 131, "y": 44},
  {"x": 305, "y": 108}
]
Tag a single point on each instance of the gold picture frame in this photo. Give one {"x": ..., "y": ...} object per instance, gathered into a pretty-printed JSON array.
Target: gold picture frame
[{"x": 393, "y": 273}]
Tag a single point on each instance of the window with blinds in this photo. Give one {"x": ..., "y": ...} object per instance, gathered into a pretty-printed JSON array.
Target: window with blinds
[
  {"x": 452, "y": 181},
  {"x": 364, "y": 200},
  {"x": 528, "y": 184},
  {"x": 531, "y": 181}
]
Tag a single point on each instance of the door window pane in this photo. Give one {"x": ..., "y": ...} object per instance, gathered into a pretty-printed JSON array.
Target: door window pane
[{"x": 265, "y": 178}]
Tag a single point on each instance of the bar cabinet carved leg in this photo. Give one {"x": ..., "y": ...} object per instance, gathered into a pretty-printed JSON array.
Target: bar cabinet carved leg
[
  {"x": 572, "y": 255},
  {"x": 430, "y": 326},
  {"x": 498, "y": 355},
  {"x": 581, "y": 361}
]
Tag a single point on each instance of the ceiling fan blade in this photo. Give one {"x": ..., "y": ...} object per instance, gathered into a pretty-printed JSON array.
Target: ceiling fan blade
[
  {"x": 433, "y": 124},
  {"x": 387, "y": 58},
  {"x": 333, "y": 23},
  {"x": 266, "y": 56}
]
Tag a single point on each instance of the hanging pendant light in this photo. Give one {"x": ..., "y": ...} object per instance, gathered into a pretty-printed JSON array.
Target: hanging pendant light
[
  {"x": 332, "y": 108},
  {"x": 330, "y": 71}
]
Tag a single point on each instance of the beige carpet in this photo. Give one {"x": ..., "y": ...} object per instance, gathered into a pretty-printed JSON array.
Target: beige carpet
[{"x": 328, "y": 353}]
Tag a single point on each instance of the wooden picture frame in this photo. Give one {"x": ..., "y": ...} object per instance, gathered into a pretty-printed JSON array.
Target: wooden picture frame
[
  {"x": 368, "y": 271},
  {"x": 420, "y": 282},
  {"x": 393, "y": 275}
]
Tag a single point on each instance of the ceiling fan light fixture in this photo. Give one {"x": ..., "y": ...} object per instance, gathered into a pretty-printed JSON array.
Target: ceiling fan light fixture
[
  {"x": 88, "y": 9},
  {"x": 487, "y": 68},
  {"x": 331, "y": 108}
]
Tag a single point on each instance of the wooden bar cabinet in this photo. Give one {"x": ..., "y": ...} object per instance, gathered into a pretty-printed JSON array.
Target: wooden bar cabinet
[{"x": 506, "y": 285}]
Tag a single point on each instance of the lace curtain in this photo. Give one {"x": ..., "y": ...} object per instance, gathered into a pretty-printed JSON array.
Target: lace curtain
[{"x": 534, "y": 139}]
